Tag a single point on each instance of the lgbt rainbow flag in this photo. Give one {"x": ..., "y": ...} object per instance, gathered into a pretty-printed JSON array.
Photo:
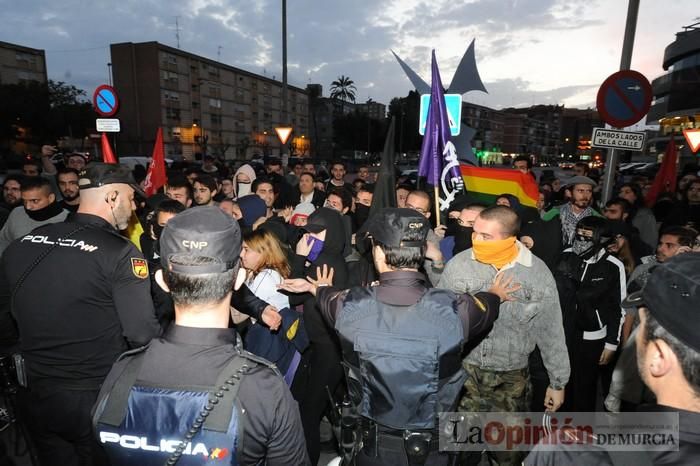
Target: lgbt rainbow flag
[{"x": 486, "y": 184}]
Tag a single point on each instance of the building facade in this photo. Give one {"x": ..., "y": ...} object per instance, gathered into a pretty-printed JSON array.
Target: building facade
[
  {"x": 19, "y": 64},
  {"x": 204, "y": 107},
  {"x": 676, "y": 104}
]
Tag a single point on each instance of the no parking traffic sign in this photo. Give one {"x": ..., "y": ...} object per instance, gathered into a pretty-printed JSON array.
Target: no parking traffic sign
[
  {"x": 624, "y": 98},
  {"x": 105, "y": 101}
]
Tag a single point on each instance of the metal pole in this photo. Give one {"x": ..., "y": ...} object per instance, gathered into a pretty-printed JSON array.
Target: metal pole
[
  {"x": 285, "y": 116},
  {"x": 625, "y": 64}
]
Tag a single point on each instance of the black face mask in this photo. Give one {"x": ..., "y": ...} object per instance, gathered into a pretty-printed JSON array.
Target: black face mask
[
  {"x": 157, "y": 231},
  {"x": 463, "y": 239},
  {"x": 44, "y": 214},
  {"x": 361, "y": 214}
]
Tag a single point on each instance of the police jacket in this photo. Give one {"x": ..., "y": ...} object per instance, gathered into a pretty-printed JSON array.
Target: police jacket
[
  {"x": 81, "y": 297},
  {"x": 590, "y": 292},
  {"x": 254, "y": 419},
  {"x": 402, "y": 345}
]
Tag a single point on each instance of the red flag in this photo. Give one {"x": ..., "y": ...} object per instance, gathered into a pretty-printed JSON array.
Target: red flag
[
  {"x": 107, "y": 154},
  {"x": 156, "y": 178},
  {"x": 665, "y": 180}
]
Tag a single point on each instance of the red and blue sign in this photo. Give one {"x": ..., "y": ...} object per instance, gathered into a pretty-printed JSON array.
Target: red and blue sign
[
  {"x": 624, "y": 98},
  {"x": 105, "y": 101}
]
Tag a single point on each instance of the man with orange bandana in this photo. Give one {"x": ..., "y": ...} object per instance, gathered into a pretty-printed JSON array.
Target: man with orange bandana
[{"x": 498, "y": 366}]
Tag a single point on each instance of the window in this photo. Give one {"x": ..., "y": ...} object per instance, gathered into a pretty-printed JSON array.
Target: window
[
  {"x": 173, "y": 96},
  {"x": 215, "y": 119},
  {"x": 172, "y": 113},
  {"x": 169, "y": 59},
  {"x": 216, "y": 103},
  {"x": 169, "y": 76},
  {"x": 214, "y": 91},
  {"x": 26, "y": 58}
]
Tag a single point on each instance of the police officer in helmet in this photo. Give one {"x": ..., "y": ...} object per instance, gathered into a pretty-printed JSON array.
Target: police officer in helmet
[
  {"x": 193, "y": 396},
  {"x": 401, "y": 344}
]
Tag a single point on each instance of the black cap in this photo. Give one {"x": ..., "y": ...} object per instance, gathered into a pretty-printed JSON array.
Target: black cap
[
  {"x": 672, "y": 296},
  {"x": 201, "y": 232},
  {"x": 391, "y": 225},
  {"x": 98, "y": 174}
]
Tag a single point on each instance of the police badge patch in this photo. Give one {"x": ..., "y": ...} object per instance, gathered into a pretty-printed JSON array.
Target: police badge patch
[{"x": 139, "y": 267}]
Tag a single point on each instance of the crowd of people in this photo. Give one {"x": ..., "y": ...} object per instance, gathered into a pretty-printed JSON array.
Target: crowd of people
[{"x": 563, "y": 338}]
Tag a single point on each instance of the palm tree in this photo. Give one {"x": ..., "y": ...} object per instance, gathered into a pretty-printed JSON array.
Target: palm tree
[{"x": 343, "y": 89}]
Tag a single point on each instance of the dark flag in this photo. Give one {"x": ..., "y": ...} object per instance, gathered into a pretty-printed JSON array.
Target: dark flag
[
  {"x": 665, "y": 180},
  {"x": 438, "y": 156},
  {"x": 385, "y": 187}
]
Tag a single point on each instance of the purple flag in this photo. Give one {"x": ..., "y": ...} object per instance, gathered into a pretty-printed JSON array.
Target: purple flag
[{"x": 437, "y": 139}]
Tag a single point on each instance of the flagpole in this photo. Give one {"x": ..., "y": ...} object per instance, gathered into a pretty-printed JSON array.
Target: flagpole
[{"x": 437, "y": 205}]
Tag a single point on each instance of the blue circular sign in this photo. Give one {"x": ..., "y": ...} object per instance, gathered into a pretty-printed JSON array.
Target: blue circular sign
[
  {"x": 624, "y": 98},
  {"x": 105, "y": 101}
]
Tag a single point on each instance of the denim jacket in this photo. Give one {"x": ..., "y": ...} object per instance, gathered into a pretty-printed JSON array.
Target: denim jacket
[{"x": 534, "y": 318}]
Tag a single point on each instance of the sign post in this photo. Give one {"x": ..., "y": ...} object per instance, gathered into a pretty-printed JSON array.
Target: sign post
[{"x": 623, "y": 99}]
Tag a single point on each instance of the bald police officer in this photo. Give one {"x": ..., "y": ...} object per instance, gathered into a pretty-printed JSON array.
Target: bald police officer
[{"x": 80, "y": 294}]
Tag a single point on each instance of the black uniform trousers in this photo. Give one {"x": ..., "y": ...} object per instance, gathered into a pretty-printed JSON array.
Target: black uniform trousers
[{"x": 60, "y": 426}]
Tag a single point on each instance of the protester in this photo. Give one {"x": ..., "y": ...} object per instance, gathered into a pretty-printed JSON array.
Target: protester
[
  {"x": 180, "y": 189},
  {"x": 67, "y": 180},
  {"x": 580, "y": 206},
  {"x": 266, "y": 190},
  {"x": 591, "y": 284},
  {"x": 642, "y": 218},
  {"x": 307, "y": 192},
  {"x": 300, "y": 214},
  {"x": 243, "y": 180},
  {"x": 687, "y": 212},
  {"x": 672, "y": 241},
  {"x": 323, "y": 245},
  {"x": 205, "y": 190},
  {"x": 337, "y": 180},
  {"x": 497, "y": 366},
  {"x": 266, "y": 266},
  {"x": 40, "y": 208}
]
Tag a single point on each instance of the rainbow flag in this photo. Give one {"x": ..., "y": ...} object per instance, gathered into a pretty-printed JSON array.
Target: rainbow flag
[{"x": 486, "y": 184}]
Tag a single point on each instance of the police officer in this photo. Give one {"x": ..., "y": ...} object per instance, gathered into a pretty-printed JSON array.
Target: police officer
[
  {"x": 402, "y": 343},
  {"x": 80, "y": 295},
  {"x": 193, "y": 394}
]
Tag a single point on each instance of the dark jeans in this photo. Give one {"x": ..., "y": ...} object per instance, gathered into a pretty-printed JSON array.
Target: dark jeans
[
  {"x": 582, "y": 389},
  {"x": 60, "y": 426},
  {"x": 322, "y": 363}
]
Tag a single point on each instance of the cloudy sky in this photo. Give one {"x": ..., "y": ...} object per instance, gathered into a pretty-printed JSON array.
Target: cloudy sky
[{"x": 527, "y": 51}]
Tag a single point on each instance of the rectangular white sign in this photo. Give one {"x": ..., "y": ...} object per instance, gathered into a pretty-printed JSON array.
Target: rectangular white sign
[
  {"x": 618, "y": 139},
  {"x": 107, "y": 125}
]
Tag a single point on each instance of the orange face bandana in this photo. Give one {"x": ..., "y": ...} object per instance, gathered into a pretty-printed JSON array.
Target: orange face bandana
[{"x": 497, "y": 253}]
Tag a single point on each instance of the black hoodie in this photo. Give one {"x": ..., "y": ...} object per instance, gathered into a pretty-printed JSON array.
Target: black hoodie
[{"x": 332, "y": 256}]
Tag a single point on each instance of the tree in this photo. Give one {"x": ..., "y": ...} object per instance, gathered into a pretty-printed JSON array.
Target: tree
[
  {"x": 43, "y": 112},
  {"x": 406, "y": 110},
  {"x": 343, "y": 89}
]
